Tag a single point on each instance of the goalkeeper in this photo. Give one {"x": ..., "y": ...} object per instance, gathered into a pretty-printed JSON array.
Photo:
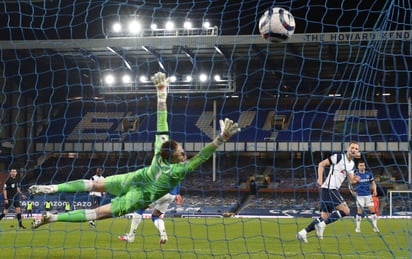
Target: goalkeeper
[{"x": 138, "y": 189}]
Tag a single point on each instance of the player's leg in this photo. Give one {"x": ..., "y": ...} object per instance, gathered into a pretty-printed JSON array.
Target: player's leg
[
  {"x": 341, "y": 211},
  {"x": 5, "y": 210},
  {"x": 133, "y": 200},
  {"x": 3, "y": 214},
  {"x": 115, "y": 185},
  {"x": 302, "y": 234},
  {"x": 136, "y": 219},
  {"x": 72, "y": 186},
  {"x": 159, "y": 209},
  {"x": 358, "y": 219},
  {"x": 376, "y": 205},
  {"x": 160, "y": 225},
  {"x": 320, "y": 225},
  {"x": 119, "y": 206},
  {"x": 374, "y": 218},
  {"x": 336, "y": 208},
  {"x": 341, "y": 208},
  {"x": 313, "y": 225},
  {"x": 96, "y": 203},
  {"x": 326, "y": 206},
  {"x": 18, "y": 214},
  {"x": 359, "y": 212},
  {"x": 82, "y": 215}
]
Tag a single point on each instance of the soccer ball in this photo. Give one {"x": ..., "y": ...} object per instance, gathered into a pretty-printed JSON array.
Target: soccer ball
[{"x": 276, "y": 24}]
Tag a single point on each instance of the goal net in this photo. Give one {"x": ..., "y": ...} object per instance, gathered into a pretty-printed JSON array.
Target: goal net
[{"x": 76, "y": 95}]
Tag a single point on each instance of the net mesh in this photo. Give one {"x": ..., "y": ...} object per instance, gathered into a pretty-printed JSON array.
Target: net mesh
[{"x": 76, "y": 95}]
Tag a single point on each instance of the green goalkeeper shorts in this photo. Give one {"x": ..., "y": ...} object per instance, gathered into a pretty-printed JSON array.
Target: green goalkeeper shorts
[{"x": 130, "y": 191}]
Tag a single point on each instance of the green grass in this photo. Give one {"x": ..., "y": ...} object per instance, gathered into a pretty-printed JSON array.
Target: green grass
[{"x": 208, "y": 238}]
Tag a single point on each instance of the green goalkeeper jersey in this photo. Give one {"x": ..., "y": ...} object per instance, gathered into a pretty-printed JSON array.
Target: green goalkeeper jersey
[
  {"x": 170, "y": 175},
  {"x": 163, "y": 175},
  {"x": 138, "y": 189}
]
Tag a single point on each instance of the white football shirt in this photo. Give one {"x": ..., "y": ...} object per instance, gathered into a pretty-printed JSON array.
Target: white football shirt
[{"x": 338, "y": 171}]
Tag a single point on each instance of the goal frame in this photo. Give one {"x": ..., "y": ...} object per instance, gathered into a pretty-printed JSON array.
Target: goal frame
[{"x": 390, "y": 192}]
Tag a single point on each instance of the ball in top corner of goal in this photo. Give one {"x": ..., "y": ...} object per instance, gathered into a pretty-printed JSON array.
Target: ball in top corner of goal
[{"x": 277, "y": 24}]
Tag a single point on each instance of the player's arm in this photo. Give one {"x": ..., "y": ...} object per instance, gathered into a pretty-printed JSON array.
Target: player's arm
[
  {"x": 161, "y": 82},
  {"x": 227, "y": 129},
  {"x": 321, "y": 168},
  {"x": 353, "y": 178},
  {"x": 21, "y": 193},
  {"x": 191, "y": 164},
  {"x": 179, "y": 199},
  {"x": 6, "y": 200}
]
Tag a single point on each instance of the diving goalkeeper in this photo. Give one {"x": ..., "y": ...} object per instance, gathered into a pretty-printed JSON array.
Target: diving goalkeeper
[{"x": 138, "y": 189}]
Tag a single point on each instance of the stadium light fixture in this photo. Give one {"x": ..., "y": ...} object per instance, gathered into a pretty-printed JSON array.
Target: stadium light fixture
[
  {"x": 172, "y": 79},
  {"x": 135, "y": 27},
  {"x": 187, "y": 25},
  {"x": 143, "y": 79},
  {"x": 131, "y": 83},
  {"x": 206, "y": 25},
  {"x": 203, "y": 77},
  {"x": 188, "y": 78},
  {"x": 126, "y": 79},
  {"x": 109, "y": 79},
  {"x": 169, "y": 25},
  {"x": 117, "y": 27}
]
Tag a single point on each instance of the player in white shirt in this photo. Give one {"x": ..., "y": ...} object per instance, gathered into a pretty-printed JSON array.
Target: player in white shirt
[
  {"x": 96, "y": 196},
  {"x": 332, "y": 205}
]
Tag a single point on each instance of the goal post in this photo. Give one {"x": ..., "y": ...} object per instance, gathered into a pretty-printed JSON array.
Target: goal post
[{"x": 405, "y": 195}]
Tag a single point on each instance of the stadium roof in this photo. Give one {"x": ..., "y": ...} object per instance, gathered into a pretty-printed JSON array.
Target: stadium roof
[
  {"x": 316, "y": 64},
  {"x": 64, "y": 47}
]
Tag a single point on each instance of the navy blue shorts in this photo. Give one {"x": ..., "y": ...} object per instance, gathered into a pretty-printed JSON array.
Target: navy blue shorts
[{"x": 329, "y": 199}]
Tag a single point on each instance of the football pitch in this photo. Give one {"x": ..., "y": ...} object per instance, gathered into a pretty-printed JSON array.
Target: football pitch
[{"x": 207, "y": 238}]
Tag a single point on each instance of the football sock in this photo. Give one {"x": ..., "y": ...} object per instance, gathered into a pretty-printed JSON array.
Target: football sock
[
  {"x": 76, "y": 186},
  {"x": 374, "y": 219},
  {"x": 358, "y": 220},
  {"x": 311, "y": 226},
  {"x": 159, "y": 223},
  {"x": 136, "y": 219},
  {"x": 18, "y": 216},
  {"x": 337, "y": 214},
  {"x": 2, "y": 216},
  {"x": 76, "y": 216}
]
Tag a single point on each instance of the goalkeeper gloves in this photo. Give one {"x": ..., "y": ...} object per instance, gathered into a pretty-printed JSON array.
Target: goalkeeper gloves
[
  {"x": 161, "y": 83},
  {"x": 228, "y": 128}
]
